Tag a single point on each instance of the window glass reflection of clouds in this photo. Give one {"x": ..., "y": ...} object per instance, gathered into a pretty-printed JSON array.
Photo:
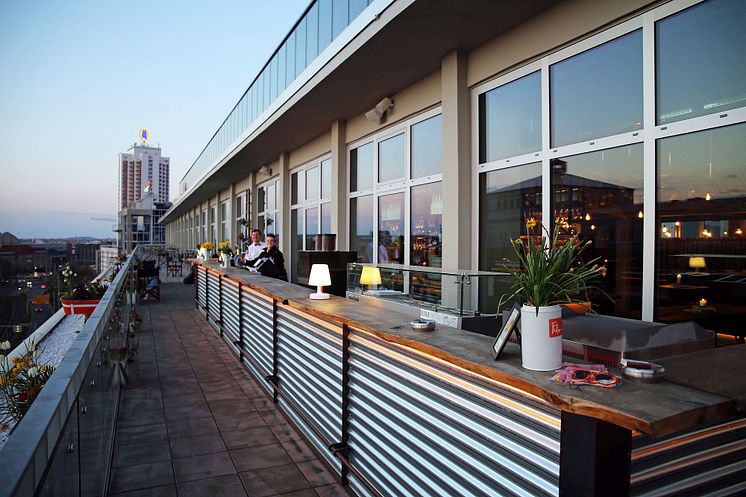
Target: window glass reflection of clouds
[
  {"x": 391, "y": 158},
  {"x": 510, "y": 119},
  {"x": 598, "y": 92},
  {"x": 700, "y": 60},
  {"x": 427, "y": 147}
]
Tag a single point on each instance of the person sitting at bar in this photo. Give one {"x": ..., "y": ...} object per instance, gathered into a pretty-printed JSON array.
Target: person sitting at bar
[
  {"x": 252, "y": 251},
  {"x": 270, "y": 261}
]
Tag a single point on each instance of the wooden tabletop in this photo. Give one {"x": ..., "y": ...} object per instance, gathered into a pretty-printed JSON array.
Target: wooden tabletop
[{"x": 655, "y": 409}]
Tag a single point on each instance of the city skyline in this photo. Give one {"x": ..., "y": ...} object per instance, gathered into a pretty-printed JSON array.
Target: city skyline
[{"x": 81, "y": 79}]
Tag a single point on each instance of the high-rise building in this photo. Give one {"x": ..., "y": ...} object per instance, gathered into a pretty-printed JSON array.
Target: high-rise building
[{"x": 142, "y": 167}]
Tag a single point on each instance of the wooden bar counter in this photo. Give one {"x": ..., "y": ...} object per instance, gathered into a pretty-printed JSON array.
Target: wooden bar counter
[{"x": 598, "y": 428}]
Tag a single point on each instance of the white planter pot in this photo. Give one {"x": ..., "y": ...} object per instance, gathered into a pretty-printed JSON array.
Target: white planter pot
[
  {"x": 541, "y": 338},
  {"x": 225, "y": 260}
]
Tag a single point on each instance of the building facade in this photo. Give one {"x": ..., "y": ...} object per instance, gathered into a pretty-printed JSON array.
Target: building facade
[
  {"x": 142, "y": 167},
  {"x": 621, "y": 121},
  {"x": 139, "y": 224}
]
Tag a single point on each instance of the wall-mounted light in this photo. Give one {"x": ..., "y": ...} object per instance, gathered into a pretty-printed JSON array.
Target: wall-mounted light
[
  {"x": 265, "y": 170},
  {"x": 378, "y": 113}
]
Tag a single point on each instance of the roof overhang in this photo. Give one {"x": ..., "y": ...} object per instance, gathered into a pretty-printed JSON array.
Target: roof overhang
[{"x": 402, "y": 45}]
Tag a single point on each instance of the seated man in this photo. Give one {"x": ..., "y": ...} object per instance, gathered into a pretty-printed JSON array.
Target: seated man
[
  {"x": 252, "y": 251},
  {"x": 270, "y": 261}
]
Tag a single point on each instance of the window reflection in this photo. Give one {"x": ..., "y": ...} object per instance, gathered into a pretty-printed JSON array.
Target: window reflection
[
  {"x": 508, "y": 198},
  {"x": 391, "y": 229},
  {"x": 312, "y": 228},
  {"x": 326, "y": 218},
  {"x": 361, "y": 167},
  {"x": 701, "y": 223},
  {"x": 426, "y": 239},
  {"x": 391, "y": 158},
  {"x": 598, "y": 92},
  {"x": 510, "y": 119},
  {"x": 598, "y": 195},
  {"x": 312, "y": 184},
  {"x": 427, "y": 147},
  {"x": 296, "y": 243},
  {"x": 326, "y": 178},
  {"x": 700, "y": 60},
  {"x": 361, "y": 227}
]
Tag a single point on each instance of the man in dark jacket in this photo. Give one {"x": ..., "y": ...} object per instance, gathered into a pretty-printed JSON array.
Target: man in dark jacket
[{"x": 275, "y": 265}]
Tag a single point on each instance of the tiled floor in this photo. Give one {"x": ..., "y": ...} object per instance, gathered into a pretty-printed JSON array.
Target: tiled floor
[{"x": 192, "y": 422}]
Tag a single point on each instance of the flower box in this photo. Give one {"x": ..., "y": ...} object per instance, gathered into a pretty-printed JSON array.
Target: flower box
[{"x": 84, "y": 307}]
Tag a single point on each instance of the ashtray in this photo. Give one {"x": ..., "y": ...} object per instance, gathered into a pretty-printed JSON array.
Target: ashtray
[
  {"x": 643, "y": 371},
  {"x": 423, "y": 324}
]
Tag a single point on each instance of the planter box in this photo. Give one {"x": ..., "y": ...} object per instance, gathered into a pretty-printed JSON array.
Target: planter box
[{"x": 84, "y": 307}]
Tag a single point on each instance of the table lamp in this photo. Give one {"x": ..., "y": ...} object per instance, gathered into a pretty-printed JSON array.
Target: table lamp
[
  {"x": 370, "y": 276},
  {"x": 319, "y": 278},
  {"x": 697, "y": 263}
]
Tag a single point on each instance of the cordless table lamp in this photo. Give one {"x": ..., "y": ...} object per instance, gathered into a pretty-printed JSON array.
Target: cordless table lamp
[
  {"x": 319, "y": 278},
  {"x": 370, "y": 276}
]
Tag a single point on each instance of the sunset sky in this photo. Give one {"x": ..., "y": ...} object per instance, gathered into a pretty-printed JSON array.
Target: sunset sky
[{"x": 80, "y": 78}]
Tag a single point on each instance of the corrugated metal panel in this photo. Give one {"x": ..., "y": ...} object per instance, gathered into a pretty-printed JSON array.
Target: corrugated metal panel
[
  {"x": 421, "y": 428},
  {"x": 213, "y": 296},
  {"x": 231, "y": 327},
  {"x": 310, "y": 372},
  {"x": 257, "y": 329},
  {"x": 708, "y": 461},
  {"x": 200, "y": 281}
]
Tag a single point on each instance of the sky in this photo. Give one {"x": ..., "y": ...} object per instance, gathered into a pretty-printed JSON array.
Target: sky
[{"x": 80, "y": 78}]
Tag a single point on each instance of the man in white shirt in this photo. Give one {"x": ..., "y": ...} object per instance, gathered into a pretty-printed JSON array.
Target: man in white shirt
[{"x": 253, "y": 250}]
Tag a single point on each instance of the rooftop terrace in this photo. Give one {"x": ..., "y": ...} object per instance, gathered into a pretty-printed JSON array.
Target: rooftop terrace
[{"x": 192, "y": 421}]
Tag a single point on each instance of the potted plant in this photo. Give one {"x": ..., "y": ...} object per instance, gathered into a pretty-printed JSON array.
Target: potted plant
[
  {"x": 79, "y": 297},
  {"x": 206, "y": 250},
  {"x": 550, "y": 272},
  {"x": 225, "y": 253}
]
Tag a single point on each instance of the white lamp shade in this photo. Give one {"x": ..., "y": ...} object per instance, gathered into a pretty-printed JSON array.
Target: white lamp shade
[
  {"x": 319, "y": 275},
  {"x": 370, "y": 276}
]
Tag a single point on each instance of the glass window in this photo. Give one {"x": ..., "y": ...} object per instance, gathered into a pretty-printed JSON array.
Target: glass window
[
  {"x": 312, "y": 184},
  {"x": 326, "y": 218},
  {"x": 300, "y": 47},
  {"x": 391, "y": 158},
  {"x": 312, "y": 227},
  {"x": 510, "y": 119},
  {"x": 312, "y": 33},
  {"x": 427, "y": 147},
  {"x": 700, "y": 60},
  {"x": 508, "y": 198},
  {"x": 296, "y": 243},
  {"x": 361, "y": 167},
  {"x": 391, "y": 229},
  {"x": 326, "y": 178},
  {"x": 361, "y": 227},
  {"x": 598, "y": 92},
  {"x": 701, "y": 199},
  {"x": 270, "y": 195},
  {"x": 339, "y": 17},
  {"x": 599, "y": 196},
  {"x": 426, "y": 225},
  {"x": 325, "y": 23},
  {"x": 261, "y": 204},
  {"x": 294, "y": 188}
]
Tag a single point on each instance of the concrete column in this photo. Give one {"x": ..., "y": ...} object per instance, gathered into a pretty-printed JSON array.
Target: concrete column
[
  {"x": 216, "y": 203},
  {"x": 457, "y": 204},
  {"x": 252, "y": 212},
  {"x": 340, "y": 222},
  {"x": 284, "y": 204}
]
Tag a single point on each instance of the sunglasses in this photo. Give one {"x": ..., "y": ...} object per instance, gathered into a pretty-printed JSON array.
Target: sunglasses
[{"x": 584, "y": 376}]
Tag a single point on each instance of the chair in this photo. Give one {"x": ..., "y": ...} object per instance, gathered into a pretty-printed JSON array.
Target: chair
[
  {"x": 148, "y": 281},
  {"x": 174, "y": 265}
]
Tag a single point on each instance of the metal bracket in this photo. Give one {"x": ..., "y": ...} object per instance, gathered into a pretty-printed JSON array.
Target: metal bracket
[{"x": 340, "y": 447}]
